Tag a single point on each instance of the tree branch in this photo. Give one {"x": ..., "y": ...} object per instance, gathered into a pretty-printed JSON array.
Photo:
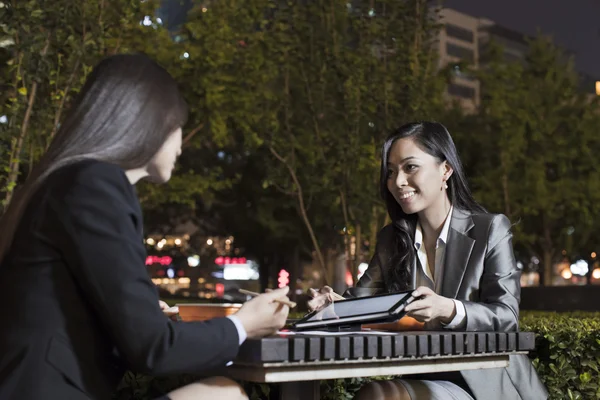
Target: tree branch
[
  {"x": 15, "y": 161},
  {"x": 62, "y": 101},
  {"x": 190, "y": 135},
  {"x": 303, "y": 213}
]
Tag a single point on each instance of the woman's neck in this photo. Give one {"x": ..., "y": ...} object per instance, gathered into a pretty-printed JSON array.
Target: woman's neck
[
  {"x": 134, "y": 175},
  {"x": 432, "y": 220}
]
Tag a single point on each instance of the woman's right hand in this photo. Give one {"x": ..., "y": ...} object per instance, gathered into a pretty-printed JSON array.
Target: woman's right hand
[
  {"x": 320, "y": 299},
  {"x": 263, "y": 316}
]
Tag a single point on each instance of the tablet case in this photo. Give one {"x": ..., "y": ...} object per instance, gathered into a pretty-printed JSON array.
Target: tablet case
[{"x": 353, "y": 321}]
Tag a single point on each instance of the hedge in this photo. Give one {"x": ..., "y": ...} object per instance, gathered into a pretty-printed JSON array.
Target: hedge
[
  {"x": 567, "y": 358},
  {"x": 567, "y": 354}
]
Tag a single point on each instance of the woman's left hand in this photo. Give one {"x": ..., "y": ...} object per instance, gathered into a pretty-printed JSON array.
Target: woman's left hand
[{"x": 431, "y": 307}]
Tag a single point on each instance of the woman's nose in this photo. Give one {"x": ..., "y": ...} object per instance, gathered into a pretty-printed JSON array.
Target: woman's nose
[{"x": 401, "y": 180}]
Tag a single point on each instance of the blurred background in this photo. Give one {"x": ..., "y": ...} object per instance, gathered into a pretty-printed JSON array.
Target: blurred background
[{"x": 290, "y": 102}]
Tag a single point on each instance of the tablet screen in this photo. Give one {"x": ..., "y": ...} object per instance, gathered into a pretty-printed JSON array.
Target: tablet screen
[{"x": 358, "y": 306}]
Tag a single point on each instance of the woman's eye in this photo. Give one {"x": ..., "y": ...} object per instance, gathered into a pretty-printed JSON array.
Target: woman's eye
[
  {"x": 391, "y": 173},
  {"x": 410, "y": 167}
]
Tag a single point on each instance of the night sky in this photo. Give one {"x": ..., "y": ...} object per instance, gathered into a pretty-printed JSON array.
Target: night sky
[{"x": 574, "y": 24}]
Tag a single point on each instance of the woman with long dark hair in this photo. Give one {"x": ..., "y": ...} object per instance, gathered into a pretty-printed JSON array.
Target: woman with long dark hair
[
  {"x": 456, "y": 257},
  {"x": 79, "y": 306}
]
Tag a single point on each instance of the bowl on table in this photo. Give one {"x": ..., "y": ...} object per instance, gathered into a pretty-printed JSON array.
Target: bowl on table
[{"x": 204, "y": 311}]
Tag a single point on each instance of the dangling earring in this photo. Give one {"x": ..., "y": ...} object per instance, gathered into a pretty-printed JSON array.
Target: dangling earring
[{"x": 445, "y": 185}]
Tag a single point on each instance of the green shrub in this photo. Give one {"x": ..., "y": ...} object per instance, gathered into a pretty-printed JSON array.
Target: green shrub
[{"x": 567, "y": 355}]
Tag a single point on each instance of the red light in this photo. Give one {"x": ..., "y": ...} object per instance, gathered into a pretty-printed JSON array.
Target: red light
[
  {"x": 180, "y": 273},
  {"x": 349, "y": 281},
  {"x": 165, "y": 260},
  {"x": 284, "y": 278},
  {"x": 160, "y": 272},
  {"x": 220, "y": 289},
  {"x": 230, "y": 260}
]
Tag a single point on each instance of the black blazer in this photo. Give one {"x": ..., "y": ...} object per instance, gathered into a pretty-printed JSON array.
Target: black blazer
[
  {"x": 78, "y": 307},
  {"x": 481, "y": 271}
]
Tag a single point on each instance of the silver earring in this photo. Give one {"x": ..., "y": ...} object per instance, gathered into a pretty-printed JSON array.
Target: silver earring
[{"x": 445, "y": 185}]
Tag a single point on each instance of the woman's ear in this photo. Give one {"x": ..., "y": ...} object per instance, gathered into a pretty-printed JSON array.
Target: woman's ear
[{"x": 447, "y": 171}]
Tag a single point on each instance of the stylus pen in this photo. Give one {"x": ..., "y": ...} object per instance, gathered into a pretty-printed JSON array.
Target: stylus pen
[{"x": 290, "y": 304}]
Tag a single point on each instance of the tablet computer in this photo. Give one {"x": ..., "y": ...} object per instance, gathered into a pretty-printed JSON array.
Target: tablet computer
[{"x": 353, "y": 312}]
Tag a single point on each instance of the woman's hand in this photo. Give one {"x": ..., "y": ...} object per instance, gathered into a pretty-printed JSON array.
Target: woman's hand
[
  {"x": 320, "y": 299},
  {"x": 431, "y": 307},
  {"x": 170, "y": 312},
  {"x": 262, "y": 315}
]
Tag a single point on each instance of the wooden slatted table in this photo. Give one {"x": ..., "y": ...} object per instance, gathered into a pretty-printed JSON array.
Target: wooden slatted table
[{"x": 299, "y": 362}]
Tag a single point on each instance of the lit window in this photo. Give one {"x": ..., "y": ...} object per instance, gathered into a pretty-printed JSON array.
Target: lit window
[{"x": 598, "y": 88}]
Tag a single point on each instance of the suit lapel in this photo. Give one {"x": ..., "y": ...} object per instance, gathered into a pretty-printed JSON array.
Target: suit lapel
[{"x": 458, "y": 251}]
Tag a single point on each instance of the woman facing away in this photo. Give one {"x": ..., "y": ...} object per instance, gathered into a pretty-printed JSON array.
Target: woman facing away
[
  {"x": 80, "y": 308},
  {"x": 457, "y": 256}
]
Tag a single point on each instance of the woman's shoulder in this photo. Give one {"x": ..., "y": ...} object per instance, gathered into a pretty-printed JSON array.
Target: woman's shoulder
[
  {"x": 89, "y": 168},
  {"x": 89, "y": 178},
  {"x": 491, "y": 219},
  {"x": 494, "y": 227}
]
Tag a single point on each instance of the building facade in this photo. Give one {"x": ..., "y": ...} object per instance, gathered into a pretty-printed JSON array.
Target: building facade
[{"x": 463, "y": 39}]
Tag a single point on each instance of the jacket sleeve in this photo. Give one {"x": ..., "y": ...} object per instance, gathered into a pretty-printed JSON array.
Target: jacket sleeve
[
  {"x": 373, "y": 280},
  {"x": 100, "y": 226},
  {"x": 500, "y": 289}
]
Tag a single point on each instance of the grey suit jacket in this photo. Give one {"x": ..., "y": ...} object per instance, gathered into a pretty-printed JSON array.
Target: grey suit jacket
[{"x": 480, "y": 270}]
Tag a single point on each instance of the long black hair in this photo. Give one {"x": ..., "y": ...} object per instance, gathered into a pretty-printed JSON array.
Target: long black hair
[
  {"x": 434, "y": 139},
  {"x": 126, "y": 110}
]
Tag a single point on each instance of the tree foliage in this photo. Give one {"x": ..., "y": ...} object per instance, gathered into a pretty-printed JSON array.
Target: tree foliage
[
  {"x": 289, "y": 104},
  {"x": 531, "y": 148}
]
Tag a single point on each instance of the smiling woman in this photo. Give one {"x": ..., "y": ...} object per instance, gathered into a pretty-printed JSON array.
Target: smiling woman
[
  {"x": 421, "y": 172},
  {"x": 454, "y": 255}
]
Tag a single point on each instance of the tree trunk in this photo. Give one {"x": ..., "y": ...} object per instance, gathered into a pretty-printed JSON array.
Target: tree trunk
[
  {"x": 506, "y": 195},
  {"x": 295, "y": 273},
  {"x": 357, "y": 254},
  {"x": 347, "y": 236},
  {"x": 548, "y": 251},
  {"x": 547, "y": 274},
  {"x": 374, "y": 230},
  {"x": 339, "y": 262}
]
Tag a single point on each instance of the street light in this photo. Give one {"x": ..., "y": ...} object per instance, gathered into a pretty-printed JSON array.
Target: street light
[{"x": 580, "y": 267}]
